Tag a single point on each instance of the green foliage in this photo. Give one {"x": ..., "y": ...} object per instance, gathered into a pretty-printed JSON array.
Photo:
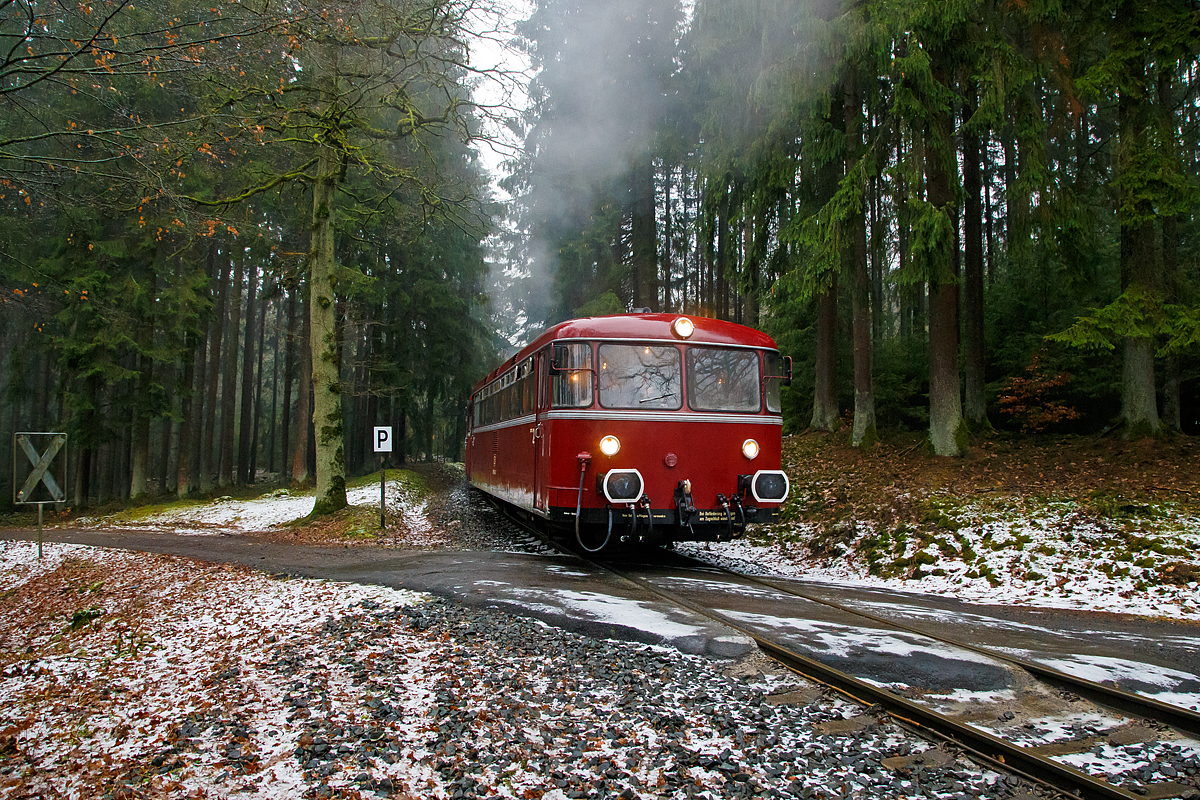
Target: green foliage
[
  {"x": 932, "y": 242},
  {"x": 607, "y": 303},
  {"x": 1137, "y": 313},
  {"x": 825, "y": 236},
  {"x": 84, "y": 617}
]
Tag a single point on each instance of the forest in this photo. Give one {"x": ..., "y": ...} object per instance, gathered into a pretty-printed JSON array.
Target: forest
[
  {"x": 238, "y": 237},
  {"x": 957, "y": 217}
]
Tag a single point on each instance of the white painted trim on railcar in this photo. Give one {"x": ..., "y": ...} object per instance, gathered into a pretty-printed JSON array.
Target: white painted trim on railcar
[
  {"x": 508, "y": 423},
  {"x": 604, "y": 415}
]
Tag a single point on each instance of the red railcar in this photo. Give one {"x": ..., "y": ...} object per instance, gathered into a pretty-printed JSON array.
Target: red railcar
[{"x": 644, "y": 427}]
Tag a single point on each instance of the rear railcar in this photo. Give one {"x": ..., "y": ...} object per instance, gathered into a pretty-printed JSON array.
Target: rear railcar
[{"x": 645, "y": 427}]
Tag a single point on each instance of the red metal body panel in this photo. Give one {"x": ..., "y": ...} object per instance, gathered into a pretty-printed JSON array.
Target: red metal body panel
[
  {"x": 707, "y": 452},
  {"x": 502, "y": 462},
  {"x": 533, "y": 461}
]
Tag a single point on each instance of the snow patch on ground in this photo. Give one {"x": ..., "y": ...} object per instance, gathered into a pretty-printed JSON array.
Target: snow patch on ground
[
  {"x": 183, "y": 669},
  {"x": 201, "y": 680},
  {"x": 281, "y": 507}
]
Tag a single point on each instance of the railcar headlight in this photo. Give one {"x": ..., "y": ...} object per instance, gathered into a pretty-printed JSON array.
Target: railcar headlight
[
  {"x": 683, "y": 327},
  {"x": 622, "y": 486},
  {"x": 769, "y": 486},
  {"x": 750, "y": 449},
  {"x": 610, "y": 446}
]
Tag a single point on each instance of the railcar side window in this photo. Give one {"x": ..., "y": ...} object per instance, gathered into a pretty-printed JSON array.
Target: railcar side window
[
  {"x": 572, "y": 386},
  {"x": 721, "y": 379},
  {"x": 639, "y": 376},
  {"x": 772, "y": 368}
]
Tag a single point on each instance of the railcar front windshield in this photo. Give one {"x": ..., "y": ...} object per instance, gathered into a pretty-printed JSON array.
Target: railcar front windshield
[
  {"x": 639, "y": 376},
  {"x": 723, "y": 379}
]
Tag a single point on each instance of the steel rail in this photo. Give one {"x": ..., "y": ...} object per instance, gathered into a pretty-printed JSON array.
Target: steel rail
[
  {"x": 992, "y": 749},
  {"x": 1180, "y": 718},
  {"x": 996, "y": 752}
]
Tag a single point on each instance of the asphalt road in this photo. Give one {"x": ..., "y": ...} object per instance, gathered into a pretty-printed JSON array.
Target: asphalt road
[
  {"x": 560, "y": 590},
  {"x": 1153, "y": 656}
]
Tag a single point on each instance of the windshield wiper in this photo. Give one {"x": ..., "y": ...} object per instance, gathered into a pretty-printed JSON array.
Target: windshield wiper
[{"x": 660, "y": 397}]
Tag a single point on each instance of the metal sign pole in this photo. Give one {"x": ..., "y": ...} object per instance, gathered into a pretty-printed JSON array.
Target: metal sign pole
[{"x": 383, "y": 445}]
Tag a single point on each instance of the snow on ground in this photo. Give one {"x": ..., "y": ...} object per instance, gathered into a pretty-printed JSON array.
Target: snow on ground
[
  {"x": 229, "y": 515},
  {"x": 1051, "y": 557},
  {"x": 134, "y": 675},
  {"x": 126, "y": 663}
]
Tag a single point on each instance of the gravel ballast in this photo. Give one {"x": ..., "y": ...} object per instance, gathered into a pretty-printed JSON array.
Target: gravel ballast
[{"x": 132, "y": 675}]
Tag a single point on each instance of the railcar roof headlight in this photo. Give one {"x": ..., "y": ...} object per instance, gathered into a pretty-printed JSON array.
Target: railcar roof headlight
[
  {"x": 683, "y": 327},
  {"x": 610, "y": 446},
  {"x": 750, "y": 449}
]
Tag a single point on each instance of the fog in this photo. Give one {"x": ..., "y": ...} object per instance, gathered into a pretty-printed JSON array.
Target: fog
[{"x": 607, "y": 81}]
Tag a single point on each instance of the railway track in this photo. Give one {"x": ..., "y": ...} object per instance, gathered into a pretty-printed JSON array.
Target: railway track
[
  {"x": 1033, "y": 764},
  {"x": 1182, "y": 719},
  {"x": 991, "y": 749}
]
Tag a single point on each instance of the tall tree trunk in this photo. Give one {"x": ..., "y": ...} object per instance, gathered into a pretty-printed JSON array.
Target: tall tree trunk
[
  {"x": 140, "y": 429},
  {"x": 1139, "y": 406},
  {"x": 946, "y": 428},
  {"x": 357, "y": 437},
  {"x": 989, "y": 223},
  {"x": 83, "y": 477},
  {"x": 326, "y": 365},
  {"x": 668, "y": 254},
  {"x": 225, "y": 475},
  {"x": 245, "y": 475},
  {"x": 1172, "y": 412},
  {"x": 275, "y": 380},
  {"x": 290, "y": 355},
  {"x": 1012, "y": 227},
  {"x": 39, "y": 419},
  {"x": 258, "y": 389},
  {"x": 722, "y": 266},
  {"x": 825, "y": 405},
  {"x": 168, "y": 448},
  {"x": 877, "y": 250},
  {"x": 400, "y": 413},
  {"x": 300, "y": 471},
  {"x": 105, "y": 469},
  {"x": 187, "y": 392},
  {"x": 195, "y": 464},
  {"x": 430, "y": 401},
  {"x": 754, "y": 243},
  {"x": 216, "y": 327},
  {"x": 142, "y": 402},
  {"x": 973, "y": 339},
  {"x": 644, "y": 235},
  {"x": 864, "y": 433},
  {"x": 907, "y": 290},
  {"x": 9, "y": 424},
  {"x": 372, "y": 390}
]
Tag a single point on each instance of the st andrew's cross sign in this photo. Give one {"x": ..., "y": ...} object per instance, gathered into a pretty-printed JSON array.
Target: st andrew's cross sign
[{"x": 40, "y": 474}]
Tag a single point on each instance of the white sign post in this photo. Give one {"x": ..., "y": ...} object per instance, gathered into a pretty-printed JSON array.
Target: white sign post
[{"x": 383, "y": 444}]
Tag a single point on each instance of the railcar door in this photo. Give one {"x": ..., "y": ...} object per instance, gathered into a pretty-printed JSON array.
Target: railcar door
[{"x": 541, "y": 440}]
